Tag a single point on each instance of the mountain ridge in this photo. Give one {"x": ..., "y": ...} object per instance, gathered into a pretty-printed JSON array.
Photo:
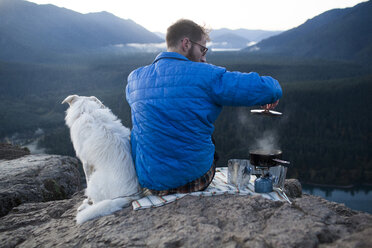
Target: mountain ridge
[
  {"x": 334, "y": 34},
  {"x": 236, "y": 39},
  {"x": 229, "y": 41},
  {"x": 254, "y": 35},
  {"x": 30, "y": 30}
]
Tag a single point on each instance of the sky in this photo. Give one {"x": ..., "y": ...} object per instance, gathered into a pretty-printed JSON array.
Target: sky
[{"x": 157, "y": 15}]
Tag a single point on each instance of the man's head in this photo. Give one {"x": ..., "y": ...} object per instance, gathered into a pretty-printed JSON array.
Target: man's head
[{"x": 189, "y": 39}]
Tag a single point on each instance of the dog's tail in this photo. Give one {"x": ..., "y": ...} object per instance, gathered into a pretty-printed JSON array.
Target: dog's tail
[{"x": 103, "y": 208}]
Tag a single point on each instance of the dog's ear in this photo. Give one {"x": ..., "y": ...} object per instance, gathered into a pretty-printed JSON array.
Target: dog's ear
[
  {"x": 97, "y": 101},
  {"x": 70, "y": 99}
]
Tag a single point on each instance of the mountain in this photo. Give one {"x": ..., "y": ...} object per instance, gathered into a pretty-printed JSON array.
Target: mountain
[
  {"x": 251, "y": 35},
  {"x": 335, "y": 34},
  {"x": 237, "y": 39},
  {"x": 28, "y": 29},
  {"x": 229, "y": 41},
  {"x": 225, "y": 38},
  {"x": 160, "y": 34}
]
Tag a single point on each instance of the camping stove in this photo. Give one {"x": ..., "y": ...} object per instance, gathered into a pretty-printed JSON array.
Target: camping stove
[
  {"x": 263, "y": 182},
  {"x": 269, "y": 169}
]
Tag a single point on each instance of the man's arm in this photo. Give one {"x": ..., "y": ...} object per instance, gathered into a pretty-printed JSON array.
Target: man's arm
[{"x": 246, "y": 89}]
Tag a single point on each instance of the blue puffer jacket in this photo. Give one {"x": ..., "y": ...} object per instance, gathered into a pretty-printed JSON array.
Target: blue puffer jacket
[{"x": 174, "y": 104}]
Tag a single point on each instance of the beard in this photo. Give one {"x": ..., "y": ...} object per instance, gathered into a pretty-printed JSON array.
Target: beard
[{"x": 191, "y": 56}]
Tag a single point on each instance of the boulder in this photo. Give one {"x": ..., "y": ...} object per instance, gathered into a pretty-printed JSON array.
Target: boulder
[
  {"x": 292, "y": 188},
  {"x": 37, "y": 178}
]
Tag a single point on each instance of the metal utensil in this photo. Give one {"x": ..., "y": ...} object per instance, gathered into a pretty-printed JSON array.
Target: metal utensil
[{"x": 266, "y": 112}]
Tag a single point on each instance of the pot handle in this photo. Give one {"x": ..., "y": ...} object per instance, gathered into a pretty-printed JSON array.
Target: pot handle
[{"x": 283, "y": 162}]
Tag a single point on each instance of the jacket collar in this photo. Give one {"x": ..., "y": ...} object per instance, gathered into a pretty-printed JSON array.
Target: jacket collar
[{"x": 170, "y": 55}]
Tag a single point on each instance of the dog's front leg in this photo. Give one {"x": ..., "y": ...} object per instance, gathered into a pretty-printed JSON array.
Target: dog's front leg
[
  {"x": 88, "y": 170},
  {"x": 85, "y": 168}
]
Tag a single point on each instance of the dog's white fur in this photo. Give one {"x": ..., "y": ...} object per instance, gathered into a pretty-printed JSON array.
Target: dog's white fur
[{"x": 102, "y": 144}]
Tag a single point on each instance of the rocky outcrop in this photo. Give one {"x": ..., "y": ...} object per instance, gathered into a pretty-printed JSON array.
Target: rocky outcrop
[
  {"x": 9, "y": 151},
  {"x": 217, "y": 221},
  {"x": 37, "y": 178}
]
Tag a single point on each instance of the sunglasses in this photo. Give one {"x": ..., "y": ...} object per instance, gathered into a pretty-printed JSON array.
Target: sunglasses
[{"x": 204, "y": 49}]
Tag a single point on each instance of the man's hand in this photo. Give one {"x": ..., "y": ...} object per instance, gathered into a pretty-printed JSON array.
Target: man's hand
[{"x": 270, "y": 106}]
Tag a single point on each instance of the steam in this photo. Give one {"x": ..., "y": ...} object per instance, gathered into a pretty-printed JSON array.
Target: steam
[
  {"x": 268, "y": 141},
  {"x": 258, "y": 131},
  {"x": 245, "y": 119}
]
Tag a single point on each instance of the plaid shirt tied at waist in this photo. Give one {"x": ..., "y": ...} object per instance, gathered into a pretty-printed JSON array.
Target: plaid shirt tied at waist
[{"x": 198, "y": 184}]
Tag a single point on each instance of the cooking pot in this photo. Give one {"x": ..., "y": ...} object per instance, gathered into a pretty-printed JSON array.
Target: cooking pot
[{"x": 267, "y": 158}]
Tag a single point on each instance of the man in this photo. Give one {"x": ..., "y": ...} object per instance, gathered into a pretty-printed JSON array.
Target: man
[{"x": 174, "y": 103}]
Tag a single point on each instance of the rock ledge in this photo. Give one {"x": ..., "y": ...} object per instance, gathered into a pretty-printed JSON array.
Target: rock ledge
[{"x": 217, "y": 221}]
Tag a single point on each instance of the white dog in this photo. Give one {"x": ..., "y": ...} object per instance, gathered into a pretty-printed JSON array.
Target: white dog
[{"x": 102, "y": 144}]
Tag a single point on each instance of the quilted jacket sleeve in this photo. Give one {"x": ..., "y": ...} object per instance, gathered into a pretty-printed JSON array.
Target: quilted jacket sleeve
[{"x": 245, "y": 89}]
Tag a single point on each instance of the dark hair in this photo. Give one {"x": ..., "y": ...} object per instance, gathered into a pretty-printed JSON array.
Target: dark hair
[{"x": 185, "y": 28}]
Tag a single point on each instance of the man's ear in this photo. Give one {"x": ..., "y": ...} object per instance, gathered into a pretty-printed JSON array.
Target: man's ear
[{"x": 186, "y": 44}]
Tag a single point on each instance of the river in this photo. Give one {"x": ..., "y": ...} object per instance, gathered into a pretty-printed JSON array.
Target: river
[{"x": 357, "y": 198}]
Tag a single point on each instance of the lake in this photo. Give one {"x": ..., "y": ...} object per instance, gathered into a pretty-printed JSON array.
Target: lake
[{"x": 357, "y": 198}]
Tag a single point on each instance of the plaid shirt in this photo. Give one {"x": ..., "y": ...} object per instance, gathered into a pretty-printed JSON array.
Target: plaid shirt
[{"x": 198, "y": 184}]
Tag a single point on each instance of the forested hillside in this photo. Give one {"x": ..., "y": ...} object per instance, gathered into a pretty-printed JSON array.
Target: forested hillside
[
  {"x": 324, "y": 131},
  {"x": 325, "y": 127}
]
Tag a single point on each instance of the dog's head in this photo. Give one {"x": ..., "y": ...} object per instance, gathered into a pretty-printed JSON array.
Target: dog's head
[
  {"x": 80, "y": 105},
  {"x": 71, "y": 99}
]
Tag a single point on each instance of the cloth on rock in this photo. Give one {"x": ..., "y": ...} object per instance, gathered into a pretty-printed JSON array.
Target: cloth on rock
[{"x": 218, "y": 186}]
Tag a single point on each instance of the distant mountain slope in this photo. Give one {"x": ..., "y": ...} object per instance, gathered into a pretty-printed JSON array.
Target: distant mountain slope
[
  {"x": 335, "y": 34},
  {"x": 237, "y": 39},
  {"x": 27, "y": 29},
  {"x": 229, "y": 41},
  {"x": 225, "y": 38},
  {"x": 251, "y": 35}
]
